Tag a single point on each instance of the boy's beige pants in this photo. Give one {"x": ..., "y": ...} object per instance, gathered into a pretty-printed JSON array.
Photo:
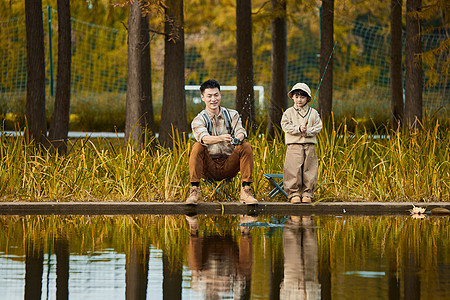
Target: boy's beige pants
[{"x": 301, "y": 168}]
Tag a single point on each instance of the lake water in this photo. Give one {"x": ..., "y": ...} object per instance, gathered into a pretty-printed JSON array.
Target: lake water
[{"x": 224, "y": 257}]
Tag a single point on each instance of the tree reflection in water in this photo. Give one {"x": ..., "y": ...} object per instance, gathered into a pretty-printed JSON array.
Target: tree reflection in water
[{"x": 167, "y": 257}]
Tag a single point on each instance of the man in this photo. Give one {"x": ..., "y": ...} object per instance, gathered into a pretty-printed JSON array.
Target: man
[
  {"x": 221, "y": 266},
  {"x": 220, "y": 151}
]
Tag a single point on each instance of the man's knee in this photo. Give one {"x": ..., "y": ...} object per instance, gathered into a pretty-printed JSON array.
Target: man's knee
[
  {"x": 246, "y": 147},
  {"x": 197, "y": 149}
]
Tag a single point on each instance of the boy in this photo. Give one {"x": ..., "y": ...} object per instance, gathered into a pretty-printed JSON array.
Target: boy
[{"x": 301, "y": 124}]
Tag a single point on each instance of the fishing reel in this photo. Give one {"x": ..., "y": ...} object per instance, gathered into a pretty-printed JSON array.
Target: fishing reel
[{"x": 236, "y": 141}]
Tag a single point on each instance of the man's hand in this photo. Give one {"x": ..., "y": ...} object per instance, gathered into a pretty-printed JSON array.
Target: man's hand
[
  {"x": 241, "y": 136},
  {"x": 226, "y": 137},
  {"x": 212, "y": 139}
]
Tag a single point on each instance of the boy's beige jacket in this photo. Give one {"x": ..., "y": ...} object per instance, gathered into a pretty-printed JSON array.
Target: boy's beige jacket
[{"x": 294, "y": 117}]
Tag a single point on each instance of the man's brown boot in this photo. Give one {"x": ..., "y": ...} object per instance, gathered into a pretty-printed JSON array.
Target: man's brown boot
[
  {"x": 194, "y": 194},
  {"x": 246, "y": 196},
  {"x": 193, "y": 224}
]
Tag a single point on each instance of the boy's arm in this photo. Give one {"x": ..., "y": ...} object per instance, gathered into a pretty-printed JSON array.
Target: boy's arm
[
  {"x": 288, "y": 126},
  {"x": 316, "y": 125}
]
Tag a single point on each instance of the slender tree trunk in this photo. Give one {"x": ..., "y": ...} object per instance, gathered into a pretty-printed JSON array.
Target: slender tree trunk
[
  {"x": 278, "y": 97},
  {"x": 413, "y": 62},
  {"x": 326, "y": 48},
  {"x": 62, "y": 267},
  {"x": 245, "y": 95},
  {"x": 35, "y": 104},
  {"x": 392, "y": 278},
  {"x": 133, "y": 128},
  {"x": 59, "y": 126},
  {"x": 172, "y": 279},
  {"x": 139, "y": 112},
  {"x": 412, "y": 270},
  {"x": 34, "y": 266},
  {"x": 137, "y": 271},
  {"x": 146, "y": 78},
  {"x": 396, "y": 64},
  {"x": 173, "y": 114}
]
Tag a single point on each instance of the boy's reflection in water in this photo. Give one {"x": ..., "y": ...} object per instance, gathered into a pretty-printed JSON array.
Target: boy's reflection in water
[
  {"x": 300, "y": 260},
  {"x": 221, "y": 267}
]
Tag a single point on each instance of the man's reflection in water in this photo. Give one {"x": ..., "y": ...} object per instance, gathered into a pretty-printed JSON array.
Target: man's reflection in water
[
  {"x": 221, "y": 267},
  {"x": 301, "y": 271}
]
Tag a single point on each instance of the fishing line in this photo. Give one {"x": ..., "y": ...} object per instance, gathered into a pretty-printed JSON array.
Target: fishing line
[{"x": 320, "y": 83}]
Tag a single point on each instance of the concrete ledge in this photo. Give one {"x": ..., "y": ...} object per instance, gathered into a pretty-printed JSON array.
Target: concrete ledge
[{"x": 213, "y": 208}]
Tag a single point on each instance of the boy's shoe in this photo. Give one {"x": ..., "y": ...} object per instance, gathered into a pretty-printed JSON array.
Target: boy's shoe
[
  {"x": 306, "y": 200},
  {"x": 194, "y": 194},
  {"x": 295, "y": 200},
  {"x": 295, "y": 220},
  {"x": 246, "y": 196}
]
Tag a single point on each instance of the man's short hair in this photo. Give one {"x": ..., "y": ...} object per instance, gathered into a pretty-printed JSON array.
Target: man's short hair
[{"x": 209, "y": 84}]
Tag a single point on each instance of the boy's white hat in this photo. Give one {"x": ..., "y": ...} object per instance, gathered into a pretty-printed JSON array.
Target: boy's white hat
[{"x": 300, "y": 86}]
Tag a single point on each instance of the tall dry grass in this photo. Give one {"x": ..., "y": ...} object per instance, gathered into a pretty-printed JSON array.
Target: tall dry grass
[{"x": 353, "y": 166}]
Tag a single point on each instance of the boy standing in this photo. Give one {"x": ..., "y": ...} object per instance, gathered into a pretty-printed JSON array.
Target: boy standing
[{"x": 301, "y": 124}]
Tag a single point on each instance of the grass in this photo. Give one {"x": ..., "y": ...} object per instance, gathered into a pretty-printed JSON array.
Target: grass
[{"x": 353, "y": 166}]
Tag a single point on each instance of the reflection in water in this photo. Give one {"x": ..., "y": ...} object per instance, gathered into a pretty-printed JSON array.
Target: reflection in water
[
  {"x": 300, "y": 260},
  {"x": 33, "y": 269},
  {"x": 172, "y": 274},
  {"x": 165, "y": 257},
  {"x": 220, "y": 267},
  {"x": 62, "y": 267},
  {"x": 136, "y": 268}
]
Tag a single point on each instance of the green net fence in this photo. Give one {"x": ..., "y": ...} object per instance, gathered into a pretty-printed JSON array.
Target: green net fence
[{"x": 99, "y": 69}]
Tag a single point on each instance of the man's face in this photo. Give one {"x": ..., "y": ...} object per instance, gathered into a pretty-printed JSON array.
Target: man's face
[
  {"x": 211, "y": 97},
  {"x": 299, "y": 100}
]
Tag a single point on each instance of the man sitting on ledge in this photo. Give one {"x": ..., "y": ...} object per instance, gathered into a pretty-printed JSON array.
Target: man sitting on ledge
[{"x": 220, "y": 151}]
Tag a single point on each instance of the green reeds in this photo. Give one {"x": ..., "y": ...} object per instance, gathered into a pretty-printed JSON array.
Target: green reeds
[{"x": 353, "y": 166}]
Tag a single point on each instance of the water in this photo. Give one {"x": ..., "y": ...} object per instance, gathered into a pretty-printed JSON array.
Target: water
[{"x": 224, "y": 257}]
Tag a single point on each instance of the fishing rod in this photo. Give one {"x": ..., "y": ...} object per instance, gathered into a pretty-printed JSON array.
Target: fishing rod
[
  {"x": 235, "y": 140},
  {"x": 320, "y": 83}
]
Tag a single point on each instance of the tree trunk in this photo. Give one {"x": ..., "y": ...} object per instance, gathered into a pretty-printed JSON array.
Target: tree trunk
[
  {"x": 133, "y": 128},
  {"x": 396, "y": 64},
  {"x": 245, "y": 95},
  {"x": 62, "y": 265},
  {"x": 139, "y": 112},
  {"x": 326, "y": 48},
  {"x": 136, "y": 267},
  {"x": 173, "y": 114},
  {"x": 413, "y": 62},
  {"x": 146, "y": 79},
  {"x": 34, "y": 266},
  {"x": 59, "y": 126},
  {"x": 35, "y": 104},
  {"x": 172, "y": 279},
  {"x": 278, "y": 97}
]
